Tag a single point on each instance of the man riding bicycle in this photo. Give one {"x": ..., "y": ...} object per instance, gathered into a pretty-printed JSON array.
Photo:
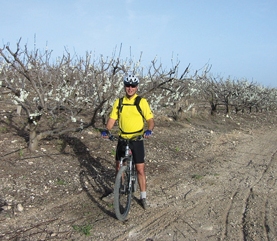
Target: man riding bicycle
[{"x": 131, "y": 115}]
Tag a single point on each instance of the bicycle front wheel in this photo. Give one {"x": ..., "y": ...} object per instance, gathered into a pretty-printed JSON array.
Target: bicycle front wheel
[{"x": 122, "y": 194}]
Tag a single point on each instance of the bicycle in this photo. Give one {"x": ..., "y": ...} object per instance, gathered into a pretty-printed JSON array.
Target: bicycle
[{"x": 126, "y": 181}]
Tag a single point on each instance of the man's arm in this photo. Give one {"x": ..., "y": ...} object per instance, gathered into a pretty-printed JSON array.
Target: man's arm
[
  {"x": 150, "y": 124},
  {"x": 110, "y": 124}
]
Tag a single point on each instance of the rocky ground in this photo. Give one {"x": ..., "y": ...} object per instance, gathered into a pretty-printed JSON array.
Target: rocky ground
[{"x": 209, "y": 178}]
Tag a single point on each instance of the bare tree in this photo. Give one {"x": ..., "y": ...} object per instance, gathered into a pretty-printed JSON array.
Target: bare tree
[
  {"x": 55, "y": 97},
  {"x": 73, "y": 93}
]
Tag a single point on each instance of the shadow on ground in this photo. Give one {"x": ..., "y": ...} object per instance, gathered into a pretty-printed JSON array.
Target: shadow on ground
[{"x": 96, "y": 179}]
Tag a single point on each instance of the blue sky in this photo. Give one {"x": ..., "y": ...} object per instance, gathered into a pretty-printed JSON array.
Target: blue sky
[{"x": 237, "y": 37}]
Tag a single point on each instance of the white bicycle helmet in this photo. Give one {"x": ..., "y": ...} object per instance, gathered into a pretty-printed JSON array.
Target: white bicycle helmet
[{"x": 131, "y": 79}]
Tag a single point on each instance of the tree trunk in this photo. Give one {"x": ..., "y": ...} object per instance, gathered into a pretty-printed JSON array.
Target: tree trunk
[
  {"x": 213, "y": 109},
  {"x": 228, "y": 108},
  {"x": 33, "y": 141}
]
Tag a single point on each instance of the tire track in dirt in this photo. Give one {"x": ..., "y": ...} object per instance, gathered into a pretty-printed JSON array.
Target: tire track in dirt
[
  {"x": 158, "y": 221},
  {"x": 227, "y": 214},
  {"x": 150, "y": 227},
  {"x": 261, "y": 208},
  {"x": 256, "y": 220}
]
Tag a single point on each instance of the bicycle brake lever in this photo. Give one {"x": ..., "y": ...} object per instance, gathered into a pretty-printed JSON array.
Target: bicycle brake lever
[{"x": 111, "y": 137}]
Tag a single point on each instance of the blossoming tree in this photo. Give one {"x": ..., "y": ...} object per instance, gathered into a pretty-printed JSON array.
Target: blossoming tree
[{"x": 55, "y": 97}]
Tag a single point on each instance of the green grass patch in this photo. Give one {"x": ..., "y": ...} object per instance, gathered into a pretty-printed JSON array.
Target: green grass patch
[
  {"x": 113, "y": 152},
  {"x": 20, "y": 153},
  {"x": 60, "y": 145},
  {"x": 197, "y": 176},
  {"x": 60, "y": 181},
  {"x": 83, "y": 229}
]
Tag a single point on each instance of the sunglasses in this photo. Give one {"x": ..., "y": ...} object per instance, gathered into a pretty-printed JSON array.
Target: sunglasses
[{"x": 130, "y": 85}]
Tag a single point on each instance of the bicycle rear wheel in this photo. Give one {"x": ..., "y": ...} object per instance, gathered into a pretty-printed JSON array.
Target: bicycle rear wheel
[{"x": 122, "y": 194}]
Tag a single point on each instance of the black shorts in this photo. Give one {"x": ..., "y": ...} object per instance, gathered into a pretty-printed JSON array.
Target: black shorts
[{"x": 137, "y": 148}]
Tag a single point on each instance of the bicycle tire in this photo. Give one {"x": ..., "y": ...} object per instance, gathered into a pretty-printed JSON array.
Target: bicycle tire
[{"x": 122, "y": 194}]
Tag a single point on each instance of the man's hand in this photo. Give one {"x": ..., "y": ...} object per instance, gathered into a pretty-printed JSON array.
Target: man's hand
[
  {"x": 147, "y": 133},
  {"x": 105, "y": 134}
]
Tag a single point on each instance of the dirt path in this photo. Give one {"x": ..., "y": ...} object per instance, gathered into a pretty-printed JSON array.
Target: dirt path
[
  {"x": 232, "y": 198},
  {"x": 213, "y": 186}
]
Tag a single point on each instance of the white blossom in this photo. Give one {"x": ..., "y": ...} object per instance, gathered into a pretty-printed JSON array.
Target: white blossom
[{"x": 23, "y": 96}]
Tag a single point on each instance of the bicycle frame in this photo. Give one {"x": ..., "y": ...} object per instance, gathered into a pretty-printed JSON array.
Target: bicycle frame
[{"x": 128, "y": 158}]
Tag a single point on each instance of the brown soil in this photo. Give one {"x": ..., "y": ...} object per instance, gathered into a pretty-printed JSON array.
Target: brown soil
[{"x": 208, "y": 179}]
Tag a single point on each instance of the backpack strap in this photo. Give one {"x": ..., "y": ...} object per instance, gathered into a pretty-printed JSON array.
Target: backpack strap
[
  {"x": 137, "y": 101},
  {"x": 120, "y": 106},
  {"x": 123, "y": 132}
]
